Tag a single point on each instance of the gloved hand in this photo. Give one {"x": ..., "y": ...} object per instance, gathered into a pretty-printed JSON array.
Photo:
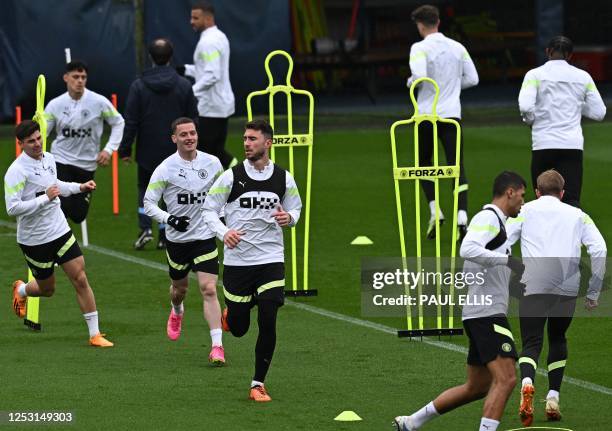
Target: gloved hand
[
  {"x": 180, "y": 223},
  {"x": 516, "y": 288},
  {"x": 516, "y": 265},
  {"x": 180, "y": 69}
]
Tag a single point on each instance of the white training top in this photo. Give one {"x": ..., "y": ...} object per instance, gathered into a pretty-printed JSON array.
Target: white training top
[
  {"x": 183, "y": 185},
  {"x": 263, "y": 238},
  {"x": 211, "y": 72},
  {"x": 482, "y": 229},
  {"x": 448, "y": 63},
  {"x": 26, "y": 181},
  {"x": 79, "y": 125},
  {"x": 553, "y": 99},
  {"x": 551, "y": 234}
]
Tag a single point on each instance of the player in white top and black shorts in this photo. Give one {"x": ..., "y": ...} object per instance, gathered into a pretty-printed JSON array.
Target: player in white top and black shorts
[
  {"x": 492, "y": 353},
  {"x": 258, "y": 198},
  {"x": 553, "y": 99},
  {"x": 78, "y": 118},
  {"x": 183, "y": 181},
  {"x": 31, "y": 192},
  {"x": 448, "y": 63},
  {"x": 552, "y": 234},
  {"x": 212, "y": 86}
]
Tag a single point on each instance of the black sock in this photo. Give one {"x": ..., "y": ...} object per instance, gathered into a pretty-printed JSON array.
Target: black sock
[{"x": 266, "y": 340}]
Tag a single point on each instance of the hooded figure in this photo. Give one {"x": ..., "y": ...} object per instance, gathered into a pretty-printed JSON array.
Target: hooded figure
[{"x": 154, "y": 101}]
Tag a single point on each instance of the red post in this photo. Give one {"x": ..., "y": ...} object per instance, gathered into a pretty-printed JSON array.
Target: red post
[
  {"x": 115, "y": 167},
  {"x": 17, "y": 121}
]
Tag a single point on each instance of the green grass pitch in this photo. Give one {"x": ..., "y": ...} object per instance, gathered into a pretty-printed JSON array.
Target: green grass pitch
[{"x": 328, "y": 358}]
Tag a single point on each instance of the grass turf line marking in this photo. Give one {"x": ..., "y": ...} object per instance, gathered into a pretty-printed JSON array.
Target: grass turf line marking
[{"x": 333, "y": 315}]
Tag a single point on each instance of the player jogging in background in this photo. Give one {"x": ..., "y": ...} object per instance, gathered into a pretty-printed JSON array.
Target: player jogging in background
[
  {"x": 183, "y": 181},
  {"x": 31, "y": 191},
  {"x": 553, "y": 99},
  {"x": 259, "y": 199},
  {"x": 492, "y": 354},
  {"x": 212, "y": 87},
  {"x": 78, "y": 118},
  {"x": 448, "y": 63},
  {"x": 551, "y": 234}
]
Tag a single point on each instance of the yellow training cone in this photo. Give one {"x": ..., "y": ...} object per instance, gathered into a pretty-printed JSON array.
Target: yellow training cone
[
  {"x": 347, "y": 416},
  {"x": 362, "y": 240}
]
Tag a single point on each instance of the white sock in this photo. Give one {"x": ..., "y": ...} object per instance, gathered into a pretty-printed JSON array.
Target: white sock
[
  {"x": 432, "y": 210},
  {"x": 178, "y": 309},
  {"x": 487, "y": 424},
  {"x": 216, "y": 335},
  {"x": 424, "y": 415},
  {"x": 552, "y": 394},
  {"x": 462, "y": 218},
  {"x": 256, "y": 383},
  {"x": 92, "y": 323},
  {"x": 527, "y": 381},
  {"x": 21, "y": 290}
]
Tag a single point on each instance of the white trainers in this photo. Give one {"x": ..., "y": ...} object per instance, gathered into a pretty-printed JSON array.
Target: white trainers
[
  {"x": 403, "y": 423},
  {"x": 552, "y": 409},
  {"x": 144, "y": 237},
  {"x": 431, "y": 228}
]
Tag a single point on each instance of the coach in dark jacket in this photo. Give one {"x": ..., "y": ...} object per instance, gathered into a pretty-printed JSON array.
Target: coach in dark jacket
[{"x": 154, "y": 101}]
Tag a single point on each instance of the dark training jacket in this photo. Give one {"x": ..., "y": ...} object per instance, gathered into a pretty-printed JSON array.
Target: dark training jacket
[{"x": 154, "y": 101}]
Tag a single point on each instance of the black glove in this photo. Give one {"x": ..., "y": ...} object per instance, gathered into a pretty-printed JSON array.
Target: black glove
[
  {"x": 516, "y": 265},
  {"x": 516, "y": 288},
  {"x": 180, "y": 69},
  {"x": 180, "y": 223}
]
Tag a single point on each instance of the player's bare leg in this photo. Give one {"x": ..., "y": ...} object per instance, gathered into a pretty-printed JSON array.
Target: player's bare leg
[
  {"x": 476, "y": 387},
  {"x": 478, "y": 382},
  {"x": 22, "y": 290},
  {"x": 178, "y": 291},
  {"x": 504, "y": 380},
  {"x": 44, "y": 287},
  {"x": 211, "y": 307},
  {"x": 212, "y": 314},
  {"x": 75, "y": 270}
]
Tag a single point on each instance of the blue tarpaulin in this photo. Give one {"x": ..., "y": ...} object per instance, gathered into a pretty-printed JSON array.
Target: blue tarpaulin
[
  {"x": 35, "y": 34},
  {"x": 253, "y": 27}
]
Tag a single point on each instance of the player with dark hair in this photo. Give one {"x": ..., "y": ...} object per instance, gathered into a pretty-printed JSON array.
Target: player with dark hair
[
  {"x": 154, "y": 101},
  {"x": 212, "y": 87},
  {"x": 258, "y": 198},
  {"x": 78, "y": 118},
  {"x": 31, "y": 192},
  {"x": 183, "y": 181},
  {"x": 553, "y": 99},
  {"x": 492, "y": 353},
  {"x": 448, "y": 63}
]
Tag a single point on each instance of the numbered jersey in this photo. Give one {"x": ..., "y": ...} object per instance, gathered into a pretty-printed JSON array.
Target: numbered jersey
[{"x": 183, "y": 185}]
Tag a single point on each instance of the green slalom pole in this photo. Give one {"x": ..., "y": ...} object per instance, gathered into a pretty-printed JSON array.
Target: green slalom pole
[
  {"x": 456, "y": 191},
  {"x": 291, "y": 141},
  {"x": 415, "y": 173},
  {"x": 32, "y": 319}
]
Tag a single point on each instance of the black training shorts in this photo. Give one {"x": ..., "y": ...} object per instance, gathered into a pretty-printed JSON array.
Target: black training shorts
[
  {"x": 41, "y": 259},
  {"x": 490, "y": 337},
  {"x": 199, "y": 255},
  {"x": 245, "y": 285}
]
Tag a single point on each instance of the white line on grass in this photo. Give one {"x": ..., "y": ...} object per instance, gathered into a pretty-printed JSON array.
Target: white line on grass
[
  {"x": 336, "y": 316},
  {"x": 352, "y": 320}
]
